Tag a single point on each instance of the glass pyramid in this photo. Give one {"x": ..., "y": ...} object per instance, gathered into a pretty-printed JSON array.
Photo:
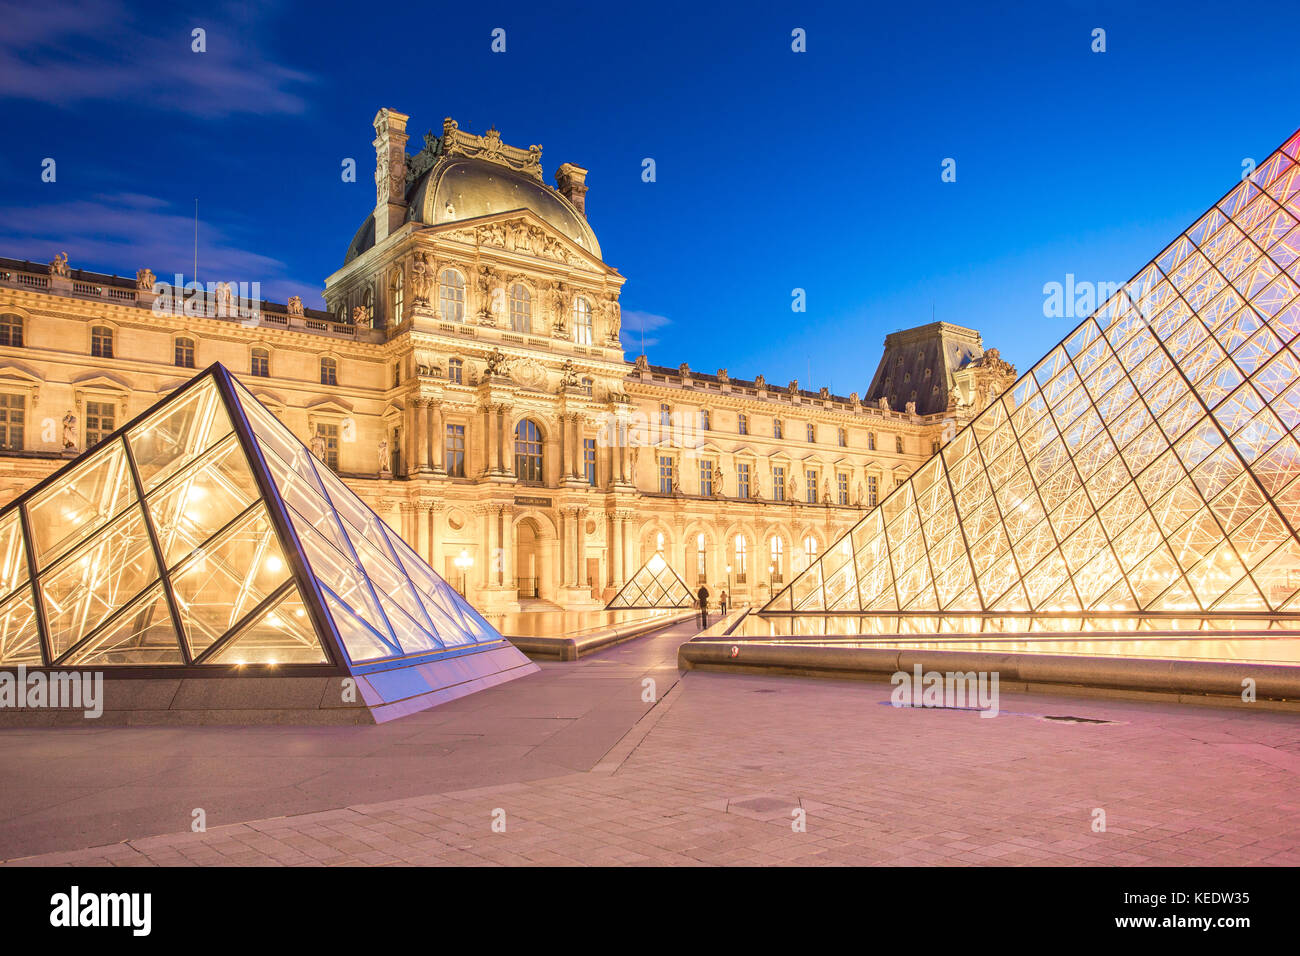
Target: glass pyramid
[
  {"x": 654, "y": 585},
  {"x": 205, "y": 534},
  {"x": 1147, "y": 466}
]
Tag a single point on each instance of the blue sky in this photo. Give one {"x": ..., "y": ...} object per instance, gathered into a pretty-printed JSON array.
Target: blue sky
[{"x": 776, "y": 170}]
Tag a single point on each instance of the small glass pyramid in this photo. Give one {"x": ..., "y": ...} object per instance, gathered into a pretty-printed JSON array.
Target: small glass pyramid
[
  {"x": 205, "y": 534},
  {"x": 1147, "y": 466},
  {"x": 656, "y": 584}
]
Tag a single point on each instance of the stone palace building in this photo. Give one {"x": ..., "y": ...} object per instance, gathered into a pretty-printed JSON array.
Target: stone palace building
[{"x": 468, "y": 382}]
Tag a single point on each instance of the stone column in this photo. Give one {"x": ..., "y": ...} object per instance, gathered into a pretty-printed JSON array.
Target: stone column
[
  {"x": 421, "y": 434},
  {"x": 435, "y": 556},
  {"x": 577, "y": 447},
  {"x": 616, "y": 549},
  {"x": 563, "y": 473},
  {"x": 501, "y": 439},
  {"x": 489, "y": 438},
  {"x": 438, "y": 440},
  {"x": 579, "y": 547},
  {"x": 628, "y": 567}
]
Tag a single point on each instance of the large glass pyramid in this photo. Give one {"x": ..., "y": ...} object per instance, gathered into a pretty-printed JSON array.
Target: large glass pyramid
[
  {"x": 656, "y": 584},
  {"x": 1147, "y": 466},
  {"x": 204, "y": 535}
]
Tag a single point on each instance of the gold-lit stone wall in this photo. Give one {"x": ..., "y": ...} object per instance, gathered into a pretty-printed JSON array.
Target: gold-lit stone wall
[{"x": 426, "y": 331}]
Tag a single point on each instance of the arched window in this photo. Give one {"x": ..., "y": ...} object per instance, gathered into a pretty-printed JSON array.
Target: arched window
[
  {"x": 810, "y": 549},
  {"x": 583, "y": 330},
  {"x": 521, "y": 308},
  {"x": 184, "y": 353},
  {"x": 659, "y": 542},
  {"x": 812, "y": 433},
  {"x": 528, "y": 451},
  {"x": 665, "y": 414},
  {"x": 399, "y": 297},
  {"x": 777, "y": 563},
  {"x": 101, "y": 341},
  {"x": 706, "y": 420},
  {"x": 451, "y": 295},
  {"x": 260, "y": 364},
  {"x": 11, "y": 330},
  {"x": 699, "y": 556},
  {"x": 741, "y": 563},
  {"x": 329, "y": 371}
]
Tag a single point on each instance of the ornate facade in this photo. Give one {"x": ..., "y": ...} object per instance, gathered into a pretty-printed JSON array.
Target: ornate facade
[{"x": 467, "y": 380}]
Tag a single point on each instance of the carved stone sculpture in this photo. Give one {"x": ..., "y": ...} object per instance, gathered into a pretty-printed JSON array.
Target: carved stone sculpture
[
  {"x": 144, "y": 280},
  {"x": 69, "y": 431},
  {"x": 295, "y": 306},
  {"x": 497, "y": 364},
  {"x": 361, "y": 317},
  {"x": 318, "y": 446},
  {"x": 59, "y": 266},
  {"x": 385, "y": 466},
  {"x": 421, "y": 279}
]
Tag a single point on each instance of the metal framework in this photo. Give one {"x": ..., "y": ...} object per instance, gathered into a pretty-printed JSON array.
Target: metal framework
[
  {"x": 204, "y": 537},
  {"x": 1146, "y": 469},
  {"x": 656, "y": 584}
]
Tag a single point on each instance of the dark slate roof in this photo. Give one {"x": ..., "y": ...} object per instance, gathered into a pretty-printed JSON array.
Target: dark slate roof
[{"x": 940, "y": 348}]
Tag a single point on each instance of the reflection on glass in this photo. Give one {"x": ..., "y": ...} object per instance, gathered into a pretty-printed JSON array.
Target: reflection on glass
[
  {"x": 655, "y": 584},
  {"x": 283, "y": 634},
  {"x": 196, "y": 504}
]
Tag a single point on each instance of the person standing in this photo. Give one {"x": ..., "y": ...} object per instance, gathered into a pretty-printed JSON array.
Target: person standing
[
  {"x": 702, "y": 596},
  {"x": 722, "y": 604}
]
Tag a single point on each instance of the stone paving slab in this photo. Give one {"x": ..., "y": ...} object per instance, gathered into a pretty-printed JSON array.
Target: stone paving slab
[{"x": 701, "y": 784}]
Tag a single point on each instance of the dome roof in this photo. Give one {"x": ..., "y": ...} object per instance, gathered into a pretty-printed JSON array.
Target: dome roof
[
  {"x": 465, "y": 188},
  {"x": 454, "y": 188}
]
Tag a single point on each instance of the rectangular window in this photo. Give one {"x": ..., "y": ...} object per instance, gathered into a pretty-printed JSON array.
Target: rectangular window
[
  {"x": 261, "y": 365},
  {"x": 665, "y": 475},
  {"x": 934, "y": 448},
  {"x": 742, "y": 424},
  {"x": 778, "y": 483},
  {"x": 184, "y": 353},
  {"x": 455, "y": 451},
  {"x": 706, "y": 478},
  {"x": 456, "y": 372},
  {"x": 101, "y": 342},
  {"x": 812, "y": 434},
  {"x": 589, "y": 460},
  {"x": 11, "y": 331},
  {"x": 842, "y": 484},
  {"x": 100, "y": 422},
  {"x": 706, "y": 421},
  {"x": 810, "y": 479},
  {"x": 330, "y": 435},
  {"x": 777, "y": 431},
  {"x": 871, "y": 441},
  {"x": 13, "y": 415},
  {"x": 742, "y": 480},
  {"x": 873, "y": 491}
]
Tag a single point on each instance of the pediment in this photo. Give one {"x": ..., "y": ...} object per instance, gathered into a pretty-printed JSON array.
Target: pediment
[
  {"x": 329, "y": 406},
  {"x": 523, "y": 232}
]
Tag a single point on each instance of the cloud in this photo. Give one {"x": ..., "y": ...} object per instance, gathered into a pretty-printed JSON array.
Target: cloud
[
  {"x": 128, "y": 231},
  {"x": 638, "y": 324},
  {"x": 63, "y": 52}
]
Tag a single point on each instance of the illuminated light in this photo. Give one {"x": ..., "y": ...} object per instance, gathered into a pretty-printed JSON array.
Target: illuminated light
[{"x": 274, "y": 564}]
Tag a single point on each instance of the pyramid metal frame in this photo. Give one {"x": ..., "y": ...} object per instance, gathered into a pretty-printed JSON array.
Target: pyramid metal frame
[
  {"x": 655, "y": 576},
  {"x": 301, "y": 577},
  {"x": 1148, "y": 467}
]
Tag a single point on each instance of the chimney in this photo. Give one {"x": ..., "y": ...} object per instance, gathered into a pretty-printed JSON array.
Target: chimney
[
  {"x": 390, "y": 172},
  {"x": 571, "y": 180}
]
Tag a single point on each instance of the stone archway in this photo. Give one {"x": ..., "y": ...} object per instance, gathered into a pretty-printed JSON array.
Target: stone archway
[{"x": 536, "y": 559}]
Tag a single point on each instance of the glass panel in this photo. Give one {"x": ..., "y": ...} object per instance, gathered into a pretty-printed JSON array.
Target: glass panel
[
  {"x": 80, "y": 502},
  {"x": 19, "y": 635},
  {"x": 174, "y": 436},
  {"x": 228, "y": 578},
  {"x": 87, "y": 585},
  {"x": 281, "y": 635},
  {"x": 141, "y": 634},
  {"x": 197, "y": 504},
  {"x": 13, "y": 554}
]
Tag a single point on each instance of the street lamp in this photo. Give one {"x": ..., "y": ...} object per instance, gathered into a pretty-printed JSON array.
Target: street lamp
[
  {"x": 728, "y": 580},
  {"x": 771, "y": 585},
  {"x": 464, "y": 562}
]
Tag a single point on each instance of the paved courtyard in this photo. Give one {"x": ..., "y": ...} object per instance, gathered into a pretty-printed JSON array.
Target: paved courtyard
[{"x": 571, "y": 766}]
